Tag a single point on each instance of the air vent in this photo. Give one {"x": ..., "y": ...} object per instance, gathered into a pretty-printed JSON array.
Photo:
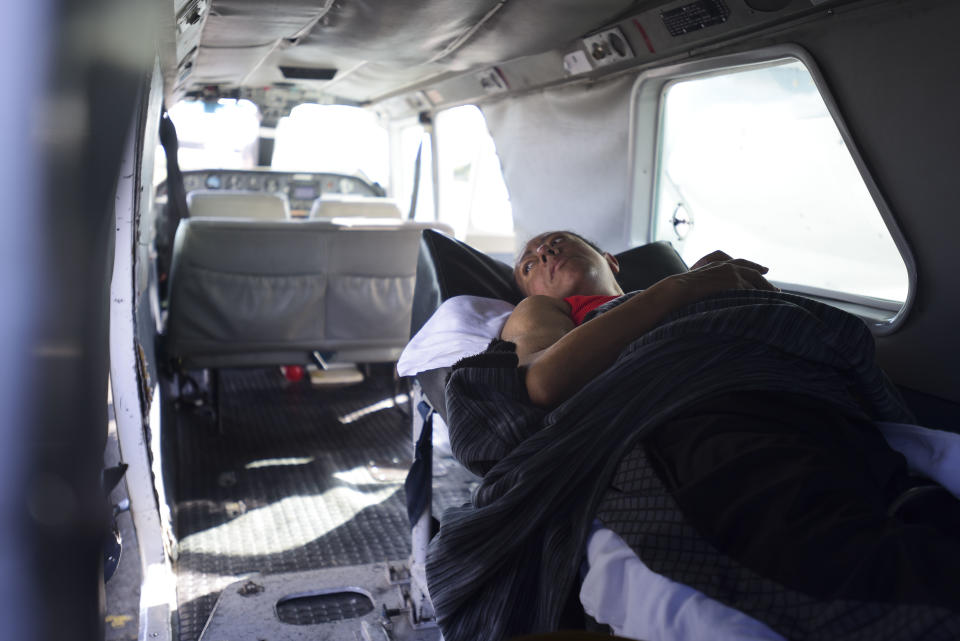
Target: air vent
[
  {"x": 308, "y": 73},
  {"x": 492, "y": 81}
]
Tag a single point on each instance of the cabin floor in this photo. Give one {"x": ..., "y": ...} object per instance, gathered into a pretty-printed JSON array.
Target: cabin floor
[{"x": 297, "y": 478}]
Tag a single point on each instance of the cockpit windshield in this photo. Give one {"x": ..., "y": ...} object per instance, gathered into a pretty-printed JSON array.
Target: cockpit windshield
[
  {"x": 313, "y": 138},
  {"x": 220, "y": 135},
  {"x": 334, "y": 139}
]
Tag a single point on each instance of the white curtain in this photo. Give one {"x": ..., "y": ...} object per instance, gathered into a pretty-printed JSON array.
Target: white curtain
[{"x": 564, "y": 157}]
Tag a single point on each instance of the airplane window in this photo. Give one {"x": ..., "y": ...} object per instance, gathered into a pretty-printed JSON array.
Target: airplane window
[
  {"x": 411, "y": 137},
  {"x": 751, "y": 162},
  {"x": 473, "y": 196}
]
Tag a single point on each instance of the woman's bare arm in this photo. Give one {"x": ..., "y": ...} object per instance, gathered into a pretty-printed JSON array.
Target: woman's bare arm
[
  {"x": 560, "y": 358},
  {"x": 537, "y": 323}
]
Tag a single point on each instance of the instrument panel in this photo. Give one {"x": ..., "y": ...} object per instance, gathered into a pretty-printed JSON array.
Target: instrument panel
[{"x": 301, "y": 189}]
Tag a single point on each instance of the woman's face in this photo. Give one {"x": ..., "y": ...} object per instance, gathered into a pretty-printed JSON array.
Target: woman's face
[{"x": 561, "y": 264}]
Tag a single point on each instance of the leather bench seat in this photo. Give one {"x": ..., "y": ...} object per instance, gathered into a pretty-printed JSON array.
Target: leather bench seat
[
  {"x": 251, "y": 293},
  {"x": 254, "y": 205},
  {"x": 329, "y": 207}
]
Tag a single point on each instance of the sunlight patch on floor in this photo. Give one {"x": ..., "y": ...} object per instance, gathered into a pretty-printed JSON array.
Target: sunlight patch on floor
[
  {"x": 213, "y": 583},
  {"x": 278, "y": 462},
  {"x": 280, "y": 526},
  {"x": 385, "y": 404}
]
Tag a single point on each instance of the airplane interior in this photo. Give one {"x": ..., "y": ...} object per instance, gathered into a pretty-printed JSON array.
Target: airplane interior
[{"x": 282, "y": 340}]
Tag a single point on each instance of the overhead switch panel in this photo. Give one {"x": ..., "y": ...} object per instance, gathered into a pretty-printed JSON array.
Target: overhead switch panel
[
  {"x": 191, "y": 13},
  {"x": 608, "y": 47}
]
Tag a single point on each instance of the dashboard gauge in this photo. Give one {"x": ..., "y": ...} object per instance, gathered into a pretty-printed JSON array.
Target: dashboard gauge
[
  {"x": 233, "y": 182},
  {"x": 253, "y": 182},
  {"x": 303, "y": 192},
  {"x": 213, "y": 181},
  {"x": 346, "y": 186},
  {"x": 271, "y": 185},
  {"x": 191, "y": 182}
]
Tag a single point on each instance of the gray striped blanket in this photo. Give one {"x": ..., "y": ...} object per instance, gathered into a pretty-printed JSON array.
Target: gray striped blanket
[{"x": 504, "y": 563}]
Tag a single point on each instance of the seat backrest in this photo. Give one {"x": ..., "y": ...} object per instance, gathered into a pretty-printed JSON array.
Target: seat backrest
[
  {"x": 355, "y": 207},
  {"x": 245, "y": 293},
  {"x": 253, "y": 205}
]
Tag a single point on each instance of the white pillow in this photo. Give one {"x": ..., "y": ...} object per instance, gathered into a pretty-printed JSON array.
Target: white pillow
[{"x": 462, "y": 326}]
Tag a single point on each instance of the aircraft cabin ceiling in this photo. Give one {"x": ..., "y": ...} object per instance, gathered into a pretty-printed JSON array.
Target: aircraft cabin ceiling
[{"x": 361, "y": 50}]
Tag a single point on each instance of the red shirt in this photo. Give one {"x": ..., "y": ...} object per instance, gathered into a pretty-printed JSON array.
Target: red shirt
[{"x": 580, "y": 306}]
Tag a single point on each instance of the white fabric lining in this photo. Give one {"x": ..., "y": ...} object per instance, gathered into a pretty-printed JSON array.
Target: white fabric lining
[
  {"x": 461, "y": 326},
  {"x": 574, "y": 133}
]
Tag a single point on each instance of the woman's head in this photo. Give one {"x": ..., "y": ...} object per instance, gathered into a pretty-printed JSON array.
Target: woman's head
[{"x": 563, "y": 263}]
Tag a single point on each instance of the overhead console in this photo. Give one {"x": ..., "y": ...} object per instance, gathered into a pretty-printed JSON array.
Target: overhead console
[
  {"x": 301, "y": 189},
  {"x": 668, "y": 30}
]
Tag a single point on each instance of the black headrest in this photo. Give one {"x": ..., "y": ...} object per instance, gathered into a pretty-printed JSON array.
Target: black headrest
[
  {"x": 447, "y": 267},
  {"x": 643, "y": 266}
]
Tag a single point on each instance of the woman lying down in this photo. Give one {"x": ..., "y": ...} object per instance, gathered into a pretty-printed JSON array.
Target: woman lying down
[{"x": 724, "y": 430}]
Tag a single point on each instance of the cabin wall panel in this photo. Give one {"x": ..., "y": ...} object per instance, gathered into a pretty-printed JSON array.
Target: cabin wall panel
[
  {"x": 76, "y": 135},
  {"x": 893, "y": 74},
  {"x": 145, "y": 285},
  {"x": 27, "y": 28}
]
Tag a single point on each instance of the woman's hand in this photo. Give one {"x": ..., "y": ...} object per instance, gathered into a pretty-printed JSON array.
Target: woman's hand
[{"x": 717, "y": 272}]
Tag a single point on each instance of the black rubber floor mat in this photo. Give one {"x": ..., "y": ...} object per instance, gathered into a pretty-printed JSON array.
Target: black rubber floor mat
[{"x": 289, "y": 486}]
